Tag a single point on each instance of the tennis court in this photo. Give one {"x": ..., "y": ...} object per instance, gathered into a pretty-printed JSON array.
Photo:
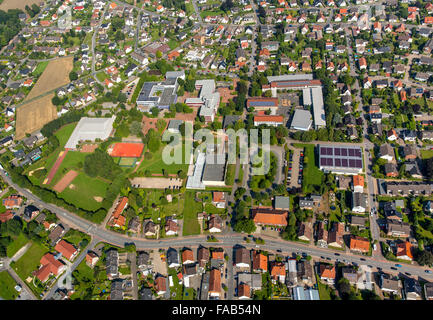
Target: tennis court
[{"x": 127, "y": 162}]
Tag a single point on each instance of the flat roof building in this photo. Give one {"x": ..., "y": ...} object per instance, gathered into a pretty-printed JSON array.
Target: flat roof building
[
  {"x": 318, "y": 108},
  {"x": 340, "y": 160},
  {"x": 90, "y": 129},
  {"x": 302, "y": 120}
]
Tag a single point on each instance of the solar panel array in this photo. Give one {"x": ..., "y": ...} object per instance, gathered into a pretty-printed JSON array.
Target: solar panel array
[{"x": 340, "y": 157}]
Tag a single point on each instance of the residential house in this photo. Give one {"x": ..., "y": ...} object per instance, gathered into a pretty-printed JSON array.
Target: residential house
[
  {"x": 50, "y": 266},
  {"x": 260, "y": 262},
  {"x": 404, "y": 251},
  {"x": 172, "y": 258},
  {"x": 242, "y": 258},
  {"x": 359, "y": 244},
  {"x": 327, "y": 272},
  {"x": 66, "y": 249}
]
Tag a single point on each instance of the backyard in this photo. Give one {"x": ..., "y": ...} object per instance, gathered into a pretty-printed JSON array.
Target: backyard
[
  {"x": 7, "y": 286},
  {"x": 28, "y": 263},
  {"x": 190, "y": 222},
  {"x": 312, "y": 175}
]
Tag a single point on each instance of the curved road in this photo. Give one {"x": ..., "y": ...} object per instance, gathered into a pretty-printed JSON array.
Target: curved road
[{"x": 229, "y": 240}]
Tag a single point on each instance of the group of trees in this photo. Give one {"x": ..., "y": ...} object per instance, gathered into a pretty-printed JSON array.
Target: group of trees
[
  {"x": 100, "y": 164},
  {"x": 51, "y": 127},
  {"x": 33, "y": 10},
  {"x": 10, "y": 25},
  {"x": 241, "y": 221}
]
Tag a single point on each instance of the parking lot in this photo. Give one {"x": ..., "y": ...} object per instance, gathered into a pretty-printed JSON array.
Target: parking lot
[{"x": 294, "y": 174}]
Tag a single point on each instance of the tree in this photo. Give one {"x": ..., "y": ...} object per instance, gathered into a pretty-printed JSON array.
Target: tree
[
  {"x": 135, "y": 128},
  {"x": 424, "y": 258},
  {"x": 73, "y": 76},
  {"x": 14, "y": 226}
]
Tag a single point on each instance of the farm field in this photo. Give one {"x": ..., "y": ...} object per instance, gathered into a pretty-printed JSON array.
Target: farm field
[
  {"x": 55, "y": 75},
  {"x": 7, "y": 286},
  {"x": 33, "y": 115},
  {"x": 14, "y": 4}
]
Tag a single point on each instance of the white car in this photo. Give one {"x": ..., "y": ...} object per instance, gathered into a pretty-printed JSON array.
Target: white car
[{"x": 374, "y": 247}]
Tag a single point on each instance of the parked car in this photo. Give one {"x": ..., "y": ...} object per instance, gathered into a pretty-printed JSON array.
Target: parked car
[
  {"x": 398, "y": 265},
  {"x": 428, "y": 271}
]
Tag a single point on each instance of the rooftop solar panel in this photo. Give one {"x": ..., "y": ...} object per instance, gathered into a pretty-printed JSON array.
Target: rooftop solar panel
[
  {"x": 358, "y": 164},
  {"x": 344, "y": 163},
  {"x": 337, "y": 151},
  {"x": 352, "y": 163},
  {"x": 344, "y": 152},
  {"x": 358, "y": 153},
  {"x": 351, "y": 152},
  {"x": 262, "y": 103},
  {"x": 323, "y": 162},
  {"x": 322, "y": 151},
  {"x": 329, "y": 161},
  {"x": 330, "y": 152},
  {"x": 337, "y": 162}
]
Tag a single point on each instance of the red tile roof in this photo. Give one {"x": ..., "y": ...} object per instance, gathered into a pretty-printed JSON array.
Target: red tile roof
[
  {"x": 359, "y": 244},
  {"x": 327, "y": 271},
  {"x": 215, "y": 281},
  {"x": 269, "y": 119},
  {"x": 404, "y": 249},
  {"x": 270, "y": 217},
  {"x": 66, "y": 249},
  {"x": 358, "y": 180},
  {"x": 260, "y": 261},
  {"x": 49, "y": 266}
]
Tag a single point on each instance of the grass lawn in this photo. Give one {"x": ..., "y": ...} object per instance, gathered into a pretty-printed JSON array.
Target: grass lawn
[
  {"x": 156, "y": 164},
  {"x": 188, "y": 294},
  {"x": 426, "y": 154},
  {"x": 189, "y": 7},
  {"x": 75, "y": 237},
  {"x": 65, "y": 132},
  {"x": 215, "y": 12},
  {"x": 163, "y": 210},
  {"x": 7, "y": 286},
  {"x": 71, "y": 161},
  {"x": 173, "y": 44},
  {"x": 177, "y": 288},
  {"x": 211, "y": 209},
  {"x": 63, "y": 135},
  {"x": 29, "y": 262},
  {"x": 323, "y": 290},
  {"x": 84, "y": 190},
  {"x": 7, "y": 194},
  {"x": 241, "y": 174},
  {"x": 40, "y": 68},
  {"x": 16, "y": 244},
  {"x": 230, "y": 174},
  {"x": 312, "y": 174},
  {"x": 190, "y": 222},
  {"x": 101, "y": 76}
]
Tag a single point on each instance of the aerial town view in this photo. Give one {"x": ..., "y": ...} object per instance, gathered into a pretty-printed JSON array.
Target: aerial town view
[{"x": 216, "y": 150}]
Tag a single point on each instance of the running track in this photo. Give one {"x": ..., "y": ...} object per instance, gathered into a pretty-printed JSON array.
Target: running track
[{"x": 56, "y": 166}]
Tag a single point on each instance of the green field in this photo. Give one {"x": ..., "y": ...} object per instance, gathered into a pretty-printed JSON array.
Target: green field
[
  {"x": 189, "y": 8},
  {"x": 65, "y": 132},
  {"x": 101, "y": 76},
  {"x": 83, "y": 191},
  {"x": 71, "y": 162},
  {"x": 126, "y": 162},
  {"x": 426, "y": 154},
  {"x": 163, "y": 210},
  {"x": 312, "y": 173},
  {"x": 63, "y": 135},
  {"x": 29, "y": 262},
  {"x": 190, "y": 222},
  {"x": 156, "y": 164},
  {"x": 7, "y": 286},
  {"x": 16, "y": 244},
  {"x": 177, "y": 287},
  {"x": 324, "y": 293},
  {"x": 40, "y": 68}
]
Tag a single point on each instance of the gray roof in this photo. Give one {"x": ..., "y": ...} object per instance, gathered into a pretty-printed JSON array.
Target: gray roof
[
  {"x": 175, "y": 124},
  {"x": 282, "y": 202},
  {"x": 289, "y": 77},
  {"x": 301, "y": 120},
  {"x": 318, "y": 107},
  {"x": 214, "y": 171},
  {"x": 90, "y": 129}
]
